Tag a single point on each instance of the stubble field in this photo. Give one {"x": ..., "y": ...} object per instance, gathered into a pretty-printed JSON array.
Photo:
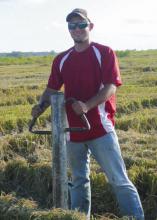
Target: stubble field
[{"x": 25, "y": 159}]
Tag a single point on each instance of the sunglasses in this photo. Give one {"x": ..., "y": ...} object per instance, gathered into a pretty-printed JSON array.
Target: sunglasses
[{"x": 80, "y": 25}]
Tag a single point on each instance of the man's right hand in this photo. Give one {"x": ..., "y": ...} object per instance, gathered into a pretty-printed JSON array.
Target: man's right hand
[{"x": 36, "y": 111}]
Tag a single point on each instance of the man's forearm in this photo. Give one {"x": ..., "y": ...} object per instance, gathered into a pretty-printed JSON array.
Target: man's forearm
[
  {"x": 44, "y": 100},
  {"x": 44, "y": 103},
  {"x": 103, "y": 95}
]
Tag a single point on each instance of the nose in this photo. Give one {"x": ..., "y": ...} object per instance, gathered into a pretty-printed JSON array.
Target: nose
[{"x": 77, "y": 29}]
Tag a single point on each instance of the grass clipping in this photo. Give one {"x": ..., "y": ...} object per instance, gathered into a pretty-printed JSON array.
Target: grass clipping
[{"x": 23, "y": 209}]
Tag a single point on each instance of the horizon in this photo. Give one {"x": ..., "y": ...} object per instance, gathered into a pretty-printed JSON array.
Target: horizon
[
  {"x": 61, "y": 51},
  {"x": 9, "y": 52}
]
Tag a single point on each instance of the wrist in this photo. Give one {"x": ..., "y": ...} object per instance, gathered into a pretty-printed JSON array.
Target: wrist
[{"x": 88, "y": 107}]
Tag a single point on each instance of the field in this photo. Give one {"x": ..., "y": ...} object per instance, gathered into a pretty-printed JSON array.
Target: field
[{"x": 25, "y": 159}]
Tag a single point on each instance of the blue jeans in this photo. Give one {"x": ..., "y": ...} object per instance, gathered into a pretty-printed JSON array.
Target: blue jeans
[{"x": 107, "y": 153}]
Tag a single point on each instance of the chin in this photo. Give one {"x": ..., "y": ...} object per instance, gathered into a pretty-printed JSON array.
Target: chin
[{"x": 78, "y": 41}]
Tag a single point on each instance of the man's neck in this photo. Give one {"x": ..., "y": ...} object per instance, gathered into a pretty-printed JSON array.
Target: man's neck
[{"x": 79, "y": 47}]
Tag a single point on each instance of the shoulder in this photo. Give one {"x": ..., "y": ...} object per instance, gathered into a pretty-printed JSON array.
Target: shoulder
[
  {"x": 104, "y": 50},
  {"x": 62, "y": 54},
  {"x": 61, "y": 58}
]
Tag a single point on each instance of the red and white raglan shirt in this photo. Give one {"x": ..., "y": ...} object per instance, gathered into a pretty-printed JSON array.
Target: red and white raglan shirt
[{"x": 83, "y": 75}]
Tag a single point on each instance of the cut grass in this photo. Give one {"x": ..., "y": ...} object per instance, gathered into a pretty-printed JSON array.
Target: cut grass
[
  {"x": 12, "y": 208},
  {"x": 26, "y": 158},
  {"x": 32, "y": 148},
  {"x": 14, "y": 119},
  {"x": 142, "y": 121}
]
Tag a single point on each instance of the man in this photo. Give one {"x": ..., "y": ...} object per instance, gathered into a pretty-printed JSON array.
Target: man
[{"x": 90, "y": 74}]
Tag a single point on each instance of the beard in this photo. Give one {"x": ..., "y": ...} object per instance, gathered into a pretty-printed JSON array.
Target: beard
[{"x": 78, "y": 41}]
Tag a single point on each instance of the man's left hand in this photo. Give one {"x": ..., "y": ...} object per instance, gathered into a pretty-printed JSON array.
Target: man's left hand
[{"x": 79, "y": 107}]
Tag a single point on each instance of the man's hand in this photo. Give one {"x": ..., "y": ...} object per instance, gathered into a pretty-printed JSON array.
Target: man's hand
[
  {"x": 102, "y": 96},
  {"x": 44, "y": 101},
  {"x": 80, "y": 107},
  {"x": 36, "y": 111}
]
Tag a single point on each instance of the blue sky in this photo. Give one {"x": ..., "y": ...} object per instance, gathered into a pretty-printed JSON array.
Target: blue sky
[{"x": 39, "y": 25}]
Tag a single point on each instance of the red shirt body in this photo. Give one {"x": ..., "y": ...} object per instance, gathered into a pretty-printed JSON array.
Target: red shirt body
[{"x": 83, "y": 75}]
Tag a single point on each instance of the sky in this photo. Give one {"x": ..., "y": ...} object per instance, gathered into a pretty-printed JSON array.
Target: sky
[{"x": 39, "y": 25}]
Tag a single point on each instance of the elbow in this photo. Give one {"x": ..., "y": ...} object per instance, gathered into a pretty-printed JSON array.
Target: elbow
[{"x": 114, "y": 89}]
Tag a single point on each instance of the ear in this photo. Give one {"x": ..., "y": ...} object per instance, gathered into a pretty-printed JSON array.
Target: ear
[{"x": 91, "y": 26}]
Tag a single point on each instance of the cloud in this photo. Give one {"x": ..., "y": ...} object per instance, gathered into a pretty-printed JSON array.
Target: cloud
[
  {"x": 57, "y": 24},
  {"x": 6, "y": 1},
  {"x": 134, "y": 21},
  {"x": 54, "y": 24},
  {"x": 140, "y": 21},
  {"x": 36, "y": 1},
  {"x": 23, "y": 2}
]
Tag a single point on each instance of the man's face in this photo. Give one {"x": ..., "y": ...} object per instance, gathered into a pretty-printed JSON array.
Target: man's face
[{"x": 80, "y": 33}]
